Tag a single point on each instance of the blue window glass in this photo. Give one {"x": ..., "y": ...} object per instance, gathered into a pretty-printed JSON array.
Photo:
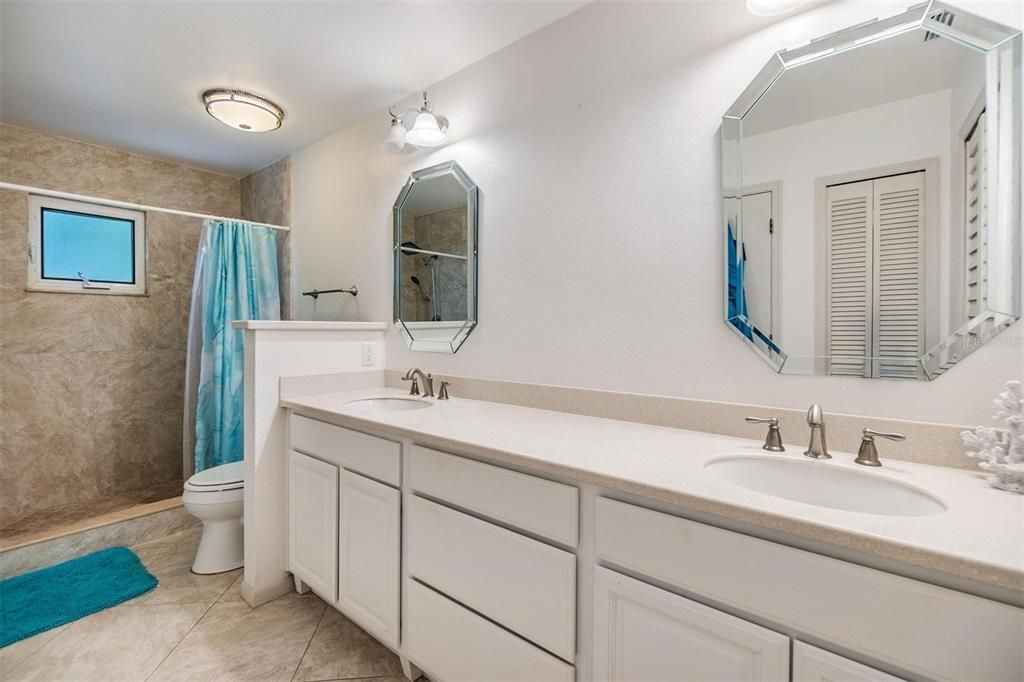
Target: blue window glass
[{"x": 100, "y": 247}]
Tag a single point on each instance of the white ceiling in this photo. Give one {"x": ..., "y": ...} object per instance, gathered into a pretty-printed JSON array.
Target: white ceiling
[{"x": 130, "y": 74}]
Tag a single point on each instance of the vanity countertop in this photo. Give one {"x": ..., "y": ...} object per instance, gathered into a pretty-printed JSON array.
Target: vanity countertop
[
  {"x": 979, "y": 537},
  {"x": 308, "y": 326}
]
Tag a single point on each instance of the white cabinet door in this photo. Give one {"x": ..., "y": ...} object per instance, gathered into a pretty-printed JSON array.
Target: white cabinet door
[
  {"x": 369, "y": 519},
  {"x": 313, "y": 523},
  {"x": 811, "y": 664},
  {"x": 642, "y": 633}
]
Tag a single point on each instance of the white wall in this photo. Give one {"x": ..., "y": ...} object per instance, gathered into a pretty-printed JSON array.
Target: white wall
[
  {"x": 912, "y": 129},
  {"x": 595, "y": 144},
  {"x": 269, "y": 355}
]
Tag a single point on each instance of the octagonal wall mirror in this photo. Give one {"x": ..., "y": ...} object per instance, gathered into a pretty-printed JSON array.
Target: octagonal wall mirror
[
  {"x": 436, "y": 221},
  {"x": 871, "y": 183}
]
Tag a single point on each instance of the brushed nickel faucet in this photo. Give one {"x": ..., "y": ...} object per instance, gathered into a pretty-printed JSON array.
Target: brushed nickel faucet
[
  {"x": 773, "y": 441},
  {"x": 868, "y": 453},
  {"x": 428, "y": 382},
  {"x": 817, "y": 448}
]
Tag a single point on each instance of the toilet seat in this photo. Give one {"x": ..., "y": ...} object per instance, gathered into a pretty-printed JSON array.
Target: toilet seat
[{"x": 219, "y": 478}]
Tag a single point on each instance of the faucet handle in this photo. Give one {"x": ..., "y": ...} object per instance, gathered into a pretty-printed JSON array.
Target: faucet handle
[
  {"x": 415, "y": 388},
  {"x": 871, "y": 433},
  {"x": 773, "y": 441},
  {"x": 867, "y": 455},
  {"x": 442, "y": 393}
]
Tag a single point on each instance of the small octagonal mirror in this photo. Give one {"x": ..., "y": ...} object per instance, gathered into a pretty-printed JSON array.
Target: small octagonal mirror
[{"x": 435, "y": 251}]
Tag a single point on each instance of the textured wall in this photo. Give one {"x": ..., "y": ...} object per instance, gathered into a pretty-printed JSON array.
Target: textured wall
[
  {"x": 601, "y": 250},
  {"x": 267, "y": 198},
  {"x": 91, "y": 385}
]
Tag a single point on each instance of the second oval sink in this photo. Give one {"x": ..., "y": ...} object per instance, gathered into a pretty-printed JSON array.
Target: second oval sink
[
  {"x": 387, "y": 404},
  {"x": 824, "y": 485}
]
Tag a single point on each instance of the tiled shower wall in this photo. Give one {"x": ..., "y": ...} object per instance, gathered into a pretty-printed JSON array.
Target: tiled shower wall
[
  {"x": 444, "y": 231},
  {"x": 267, "y": 198},
  {"x": 91, "y": 386}
]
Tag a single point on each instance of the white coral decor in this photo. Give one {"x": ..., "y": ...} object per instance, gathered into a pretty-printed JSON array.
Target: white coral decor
[{"x": 1002, "y": 455}]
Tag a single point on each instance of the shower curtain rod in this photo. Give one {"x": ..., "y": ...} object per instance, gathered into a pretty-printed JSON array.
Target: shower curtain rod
[{"x": 127, "y": 204}]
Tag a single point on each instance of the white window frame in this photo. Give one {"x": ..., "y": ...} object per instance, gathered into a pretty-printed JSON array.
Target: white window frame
[{"x": 36, "y": 282}]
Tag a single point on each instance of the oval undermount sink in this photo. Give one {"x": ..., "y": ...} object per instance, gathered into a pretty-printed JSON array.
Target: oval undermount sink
[
  {"x": 387, "y": 404},
  {"x": 825, "y": 485}
]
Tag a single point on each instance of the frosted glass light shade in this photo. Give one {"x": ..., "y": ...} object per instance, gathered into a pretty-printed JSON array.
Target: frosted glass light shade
[
  {"x": 396, "y": 136},
  {"x": 243, "y": 110},
  {"x": 426, "y": 131}
]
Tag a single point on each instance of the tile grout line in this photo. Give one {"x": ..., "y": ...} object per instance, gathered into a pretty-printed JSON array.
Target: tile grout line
[
  {"x": 311, "y": 637},
  {"x": 228, "y": 588},
  {"x": 198, "y": 620},
  {"x": 45, "y": 646},
  {"x": 175, "y": 647}
]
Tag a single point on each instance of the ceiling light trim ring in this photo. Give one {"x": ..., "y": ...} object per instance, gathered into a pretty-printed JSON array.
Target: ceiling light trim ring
[{"x": 215, "y": 96}]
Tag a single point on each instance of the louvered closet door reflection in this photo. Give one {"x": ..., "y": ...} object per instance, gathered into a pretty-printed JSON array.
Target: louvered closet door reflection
[
  {"x": 848, "y": 262},
  {"x": 899, "y": 280},
  {"x": 975, "y": 177}
]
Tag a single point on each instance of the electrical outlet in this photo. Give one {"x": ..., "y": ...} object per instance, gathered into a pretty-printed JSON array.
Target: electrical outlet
[{"x": 369, "y": 354}]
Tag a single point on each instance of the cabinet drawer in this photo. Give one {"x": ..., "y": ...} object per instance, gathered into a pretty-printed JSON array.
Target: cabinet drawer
[
  {"x": 546, "y": 508},
  {"x": 523, "y": 584},
  {"x": 455, "y": 645},
  {"x": 642, "y": 632},
  {"x": 927, "y": 630},
  {"x": 371, "y": 456}
]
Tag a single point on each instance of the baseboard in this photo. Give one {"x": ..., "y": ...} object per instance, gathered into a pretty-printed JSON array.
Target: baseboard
[{"x": 261, "y": 595}]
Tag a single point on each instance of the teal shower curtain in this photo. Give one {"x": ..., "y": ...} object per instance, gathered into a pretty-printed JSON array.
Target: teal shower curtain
[{"x": 239, "y": 282}]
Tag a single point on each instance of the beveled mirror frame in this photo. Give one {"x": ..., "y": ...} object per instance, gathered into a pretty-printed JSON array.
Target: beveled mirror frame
[
  {"x": 461, "y": 332},
  {"x": 1001, "y": 45}
]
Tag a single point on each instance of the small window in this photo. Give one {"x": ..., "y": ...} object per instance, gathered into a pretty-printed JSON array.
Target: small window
[{"x": 86, "y": 248}]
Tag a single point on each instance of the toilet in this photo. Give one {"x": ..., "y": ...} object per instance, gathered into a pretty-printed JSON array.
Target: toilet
[{"x": 214, "y": 496}]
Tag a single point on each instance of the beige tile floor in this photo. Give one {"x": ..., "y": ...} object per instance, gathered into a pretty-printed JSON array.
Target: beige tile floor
[{"x": 198, "y": 628}]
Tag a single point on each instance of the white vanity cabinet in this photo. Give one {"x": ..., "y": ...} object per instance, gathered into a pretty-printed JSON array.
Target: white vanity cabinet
[
  {"x": 928, "y": 631},
  {"x": 480, "y": 573},
  {"x": 344, "y": 521},
  {"x": 642, "y": 632}
]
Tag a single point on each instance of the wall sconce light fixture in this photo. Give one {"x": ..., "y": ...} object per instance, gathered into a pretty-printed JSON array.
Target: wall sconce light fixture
[{"x": 419, "y": 127}]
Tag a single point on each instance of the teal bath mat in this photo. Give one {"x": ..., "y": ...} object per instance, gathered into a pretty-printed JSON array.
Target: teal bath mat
[{"x": 40, "y": 600}]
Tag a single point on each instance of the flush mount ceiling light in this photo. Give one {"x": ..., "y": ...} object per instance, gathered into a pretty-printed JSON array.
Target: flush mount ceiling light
[
  {"x": 420, "y": 127},
  {"x": 243, "y": 110},
  {"x": 768, "y": 8}
]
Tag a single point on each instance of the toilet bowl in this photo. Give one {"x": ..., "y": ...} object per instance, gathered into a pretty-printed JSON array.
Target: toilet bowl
[{"x": 214, "y": 496}]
